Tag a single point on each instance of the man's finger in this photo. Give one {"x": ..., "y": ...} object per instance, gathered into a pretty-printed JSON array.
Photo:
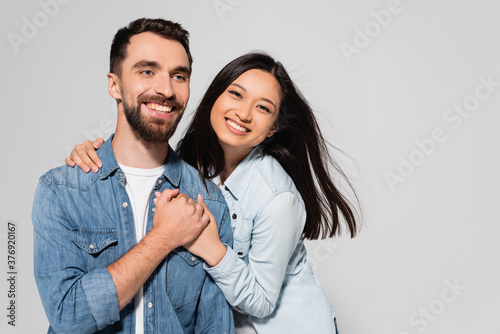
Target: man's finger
[{"x": 168, "y": 195}]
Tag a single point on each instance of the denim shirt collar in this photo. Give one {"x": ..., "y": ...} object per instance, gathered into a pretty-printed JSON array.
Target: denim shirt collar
[
  {"x": 240, "y": 179},
  {"x": 172, "y": 171}
]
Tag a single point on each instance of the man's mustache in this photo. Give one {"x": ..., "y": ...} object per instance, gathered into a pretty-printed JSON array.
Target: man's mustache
[{"x": 172, "y": 101}]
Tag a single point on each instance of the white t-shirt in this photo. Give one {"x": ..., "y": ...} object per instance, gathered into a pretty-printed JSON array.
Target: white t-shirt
[{"x": 139, "y": 183}]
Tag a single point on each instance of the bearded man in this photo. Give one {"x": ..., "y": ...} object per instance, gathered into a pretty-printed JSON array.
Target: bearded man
[{"x": 104, "y": 262}]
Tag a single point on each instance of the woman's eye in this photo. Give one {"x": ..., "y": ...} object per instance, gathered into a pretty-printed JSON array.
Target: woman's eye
[
  {"x": 235, "y": 93},
  {"x": 266, "y": 109}
]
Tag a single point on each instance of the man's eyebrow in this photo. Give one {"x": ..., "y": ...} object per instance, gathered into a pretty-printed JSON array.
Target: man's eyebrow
[
  {"x": 262, "y": 98},
  {"x": 183, "y": 69},
  {"x": 154, "y": 64},
  {"x": 146, "y": 63}
]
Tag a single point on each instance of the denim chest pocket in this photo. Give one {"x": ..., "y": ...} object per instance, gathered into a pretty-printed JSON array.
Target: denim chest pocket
[
  {"x": 98, "y": 245},
  {"x": 185, "y": 278}
]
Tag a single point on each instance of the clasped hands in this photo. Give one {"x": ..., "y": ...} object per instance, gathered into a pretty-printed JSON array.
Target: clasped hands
[{"x": 189, "y": 223}]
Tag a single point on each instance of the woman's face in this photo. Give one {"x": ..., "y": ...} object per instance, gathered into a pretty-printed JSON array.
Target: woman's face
[{"x": 245, "y": 114}]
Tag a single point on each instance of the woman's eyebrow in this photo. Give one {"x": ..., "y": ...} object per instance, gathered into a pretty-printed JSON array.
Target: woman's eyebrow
[
  {"x": 238, "y": 85},
  {"x": 262, "y": 98}
]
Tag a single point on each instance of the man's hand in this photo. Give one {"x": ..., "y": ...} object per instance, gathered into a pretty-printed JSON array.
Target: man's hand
[{"x": 178, "y": 218}]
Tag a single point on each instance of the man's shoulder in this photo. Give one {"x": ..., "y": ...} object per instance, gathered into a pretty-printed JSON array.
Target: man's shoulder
[
  {"x": 71, "y": 177},
  {"x": 193, "y": 182}
]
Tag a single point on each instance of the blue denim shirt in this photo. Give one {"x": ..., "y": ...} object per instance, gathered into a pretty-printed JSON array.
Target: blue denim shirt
[
  {"x": 266, "y": 274},
  {"x": 83, "y": 222}
]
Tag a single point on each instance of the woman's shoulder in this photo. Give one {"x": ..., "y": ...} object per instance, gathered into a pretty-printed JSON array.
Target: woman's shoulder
[
  {"x": 274, "y": 176},
  {"x": 278, "y": 195},
  {"x": 264, "y": 182}
]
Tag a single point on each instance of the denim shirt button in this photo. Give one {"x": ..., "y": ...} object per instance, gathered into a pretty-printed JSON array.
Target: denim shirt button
[
  {"x": 234, "y": 216},
  {"x": 153, "y": 209},
  {"x": 150, "y": 305},
  {"x": 159, "y": 181},
  {"x": 119, "y": 174},
  {"x": 193, "y": 258},
  {"x": 91, "y": 246},
  {"x": 125, "y": 204}
]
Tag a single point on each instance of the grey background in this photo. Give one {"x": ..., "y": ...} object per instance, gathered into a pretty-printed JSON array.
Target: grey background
[{"x": 439, "y": 227}]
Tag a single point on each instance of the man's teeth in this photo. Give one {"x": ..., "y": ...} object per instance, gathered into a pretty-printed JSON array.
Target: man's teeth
[
  {"x": 159, "y": 107},
  {"x": 236, "y": 126}
]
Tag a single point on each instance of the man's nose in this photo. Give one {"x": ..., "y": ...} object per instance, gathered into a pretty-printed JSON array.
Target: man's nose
[{"x": 164, "y": 87}]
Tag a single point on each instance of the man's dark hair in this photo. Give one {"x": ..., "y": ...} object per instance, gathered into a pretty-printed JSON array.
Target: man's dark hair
[{"x": 166, "y": 29}]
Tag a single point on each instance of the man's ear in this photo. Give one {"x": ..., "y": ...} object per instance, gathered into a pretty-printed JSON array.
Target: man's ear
[{"x": 114, "y": 86}]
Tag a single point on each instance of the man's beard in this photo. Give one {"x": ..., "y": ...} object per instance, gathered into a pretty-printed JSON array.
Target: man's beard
[{"x": 153, "y": 130}]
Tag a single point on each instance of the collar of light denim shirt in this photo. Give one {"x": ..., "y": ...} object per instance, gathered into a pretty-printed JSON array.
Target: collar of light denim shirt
[
  {"x": 239, "y": 180},
  {"x": 109, "y": 164}
]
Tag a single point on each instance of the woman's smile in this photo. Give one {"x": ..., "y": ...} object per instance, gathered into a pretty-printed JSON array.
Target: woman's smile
[
  {"x": 245, "y": 114},
  {"x": 236, "y": 127}
]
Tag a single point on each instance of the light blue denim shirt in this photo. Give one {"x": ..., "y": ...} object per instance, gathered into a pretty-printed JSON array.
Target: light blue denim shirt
[
  {"x": 266, "y": 274},
  {"x": 83, "y": 222}
]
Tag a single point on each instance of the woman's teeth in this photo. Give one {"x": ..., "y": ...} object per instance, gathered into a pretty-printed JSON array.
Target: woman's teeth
[
  {"x": 236, "y": 126},
  {"x": 160, "y": 108}
]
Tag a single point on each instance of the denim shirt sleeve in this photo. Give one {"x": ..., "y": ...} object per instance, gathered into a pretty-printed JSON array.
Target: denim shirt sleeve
[
  {"x": 75, "y": 301},
  {"x": 211, "y": 297},
  {"x": 255, "y": 288}
]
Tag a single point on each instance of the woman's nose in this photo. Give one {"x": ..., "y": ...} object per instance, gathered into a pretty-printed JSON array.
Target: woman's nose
[{"x": 244, "y": 113}]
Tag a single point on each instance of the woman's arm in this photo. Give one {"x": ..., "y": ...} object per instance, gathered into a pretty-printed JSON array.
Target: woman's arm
[
  {"x": 208, "y": 244},
  {"x": 255, "y": 288}
]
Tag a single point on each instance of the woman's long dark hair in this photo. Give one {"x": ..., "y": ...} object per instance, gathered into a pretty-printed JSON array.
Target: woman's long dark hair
[{"x": 298, "y": 145}]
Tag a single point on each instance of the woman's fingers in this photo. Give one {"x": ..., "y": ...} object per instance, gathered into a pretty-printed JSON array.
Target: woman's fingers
[
  {"x": 90, "y": 150},
  {"x": 98, "y": 143},
  {"x": 84, "y": 156}
]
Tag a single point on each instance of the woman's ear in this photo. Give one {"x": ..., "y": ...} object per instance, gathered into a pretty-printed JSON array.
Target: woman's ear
[
  {"x": 275, "y": 128},
  {"x": 114, "y": 86}
]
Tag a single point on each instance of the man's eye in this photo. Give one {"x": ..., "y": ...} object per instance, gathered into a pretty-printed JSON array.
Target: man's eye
[
  {"x": 179, "y": 77},
  {"x": 147, "y": 72}
]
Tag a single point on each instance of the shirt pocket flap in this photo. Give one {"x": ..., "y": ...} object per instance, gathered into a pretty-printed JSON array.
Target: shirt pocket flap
[
  {"x": 241, "y": 247},
  {"x": 191, "y": 259},
  {"x": 94, "y": 241}
]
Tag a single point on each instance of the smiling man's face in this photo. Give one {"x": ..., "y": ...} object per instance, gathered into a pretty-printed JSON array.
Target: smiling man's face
[{"x": 153, "y": 86}]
